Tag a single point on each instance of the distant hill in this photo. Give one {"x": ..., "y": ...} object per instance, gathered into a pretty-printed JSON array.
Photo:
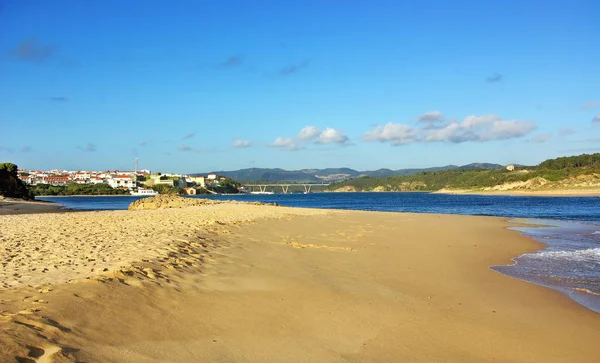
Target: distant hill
[
  {"x": 481, "y": 166},
  {"x": 330, "y": 175},
  {"x": 574, "y": 172}
]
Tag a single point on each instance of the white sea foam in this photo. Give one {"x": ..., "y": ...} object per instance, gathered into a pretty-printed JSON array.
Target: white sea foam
[
  {"x": 596, "y": 232},
  {"x": 588, "y": 255}
]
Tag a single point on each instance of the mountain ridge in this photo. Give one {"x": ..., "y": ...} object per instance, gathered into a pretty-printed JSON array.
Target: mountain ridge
[{"x": 328, "y": 175}]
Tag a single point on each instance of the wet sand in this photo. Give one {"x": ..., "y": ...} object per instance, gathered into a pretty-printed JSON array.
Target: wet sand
[
  {"x": 234, "y": 282},
  {"x": 19, "y": 206}
]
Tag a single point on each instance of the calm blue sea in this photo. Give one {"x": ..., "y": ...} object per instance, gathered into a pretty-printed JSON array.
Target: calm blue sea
[{"x": 570, "y": 263}]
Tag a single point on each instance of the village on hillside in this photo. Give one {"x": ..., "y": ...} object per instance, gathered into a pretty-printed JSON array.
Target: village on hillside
[{"x": 135, "y": 182}]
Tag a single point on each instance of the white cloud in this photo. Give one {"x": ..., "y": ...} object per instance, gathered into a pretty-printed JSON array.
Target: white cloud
[
  {"x": 396, "y": 134},
  {"x": 590, "y": 105},
  {"x": 431, "y": 117},
  {"x": 502, "y": 130},
  {"x": 541, "y": 138},
  {"x": 285, "y": 143},
  {"x": 472, "y": 128},
  {"x": 241, "y": 143},
  {"x": 331, "y": 136},
  {"x": 566, "y": 132},
  {"x": 474, "y": 121},
  {"x": 89, "y": 147},
  {"x": 596, "y": 118},
  {"x": 496, "y": 77},
  {"x": 308, "y": 133},
  {"x": 282, "y": 142},
  {"x": 454, "y": 133}
]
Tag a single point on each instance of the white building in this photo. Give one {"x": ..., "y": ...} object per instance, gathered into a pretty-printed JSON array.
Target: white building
[
  {"x": 82, "y": 175},
  {"x": 198, "y": 180},
  {"x": 27, "y": 179},
  {"x": 122, "y": 181}
]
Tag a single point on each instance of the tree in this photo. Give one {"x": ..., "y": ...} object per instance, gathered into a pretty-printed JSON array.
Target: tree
[
  {"x": 10, "y": 184},
  {"x": 165, "y": 189},
  {"x": 77, "y": 189}
]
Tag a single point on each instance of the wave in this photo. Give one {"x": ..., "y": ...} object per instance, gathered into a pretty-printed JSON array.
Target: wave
[
  {"x": 587, "y": 291},
  {"x": 588, "y": 255}
]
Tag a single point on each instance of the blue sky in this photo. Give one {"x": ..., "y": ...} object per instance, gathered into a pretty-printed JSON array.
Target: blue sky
[{"x": 195, "y": 86}]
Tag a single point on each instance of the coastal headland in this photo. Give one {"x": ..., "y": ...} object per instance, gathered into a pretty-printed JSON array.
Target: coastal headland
[{"x": 254, "y": 283}]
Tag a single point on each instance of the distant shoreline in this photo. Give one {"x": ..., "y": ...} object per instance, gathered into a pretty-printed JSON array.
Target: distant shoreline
[
  {"x": 526, "y": 193},
  {"x": 87, "y": 195},
  {"x": 522, "y": 193}
]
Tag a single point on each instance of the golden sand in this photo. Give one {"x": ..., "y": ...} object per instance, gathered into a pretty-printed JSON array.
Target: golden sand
[{"x": 233, "y": 282}]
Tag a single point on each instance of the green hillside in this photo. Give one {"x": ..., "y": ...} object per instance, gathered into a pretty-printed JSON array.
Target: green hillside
[{"x": 575, "y": 171}]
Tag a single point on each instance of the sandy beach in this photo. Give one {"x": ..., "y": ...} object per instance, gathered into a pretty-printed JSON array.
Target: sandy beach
[{"x": 234, "y": 282}]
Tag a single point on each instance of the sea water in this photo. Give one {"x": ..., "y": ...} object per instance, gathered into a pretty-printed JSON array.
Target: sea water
[
  {"x": 570, "y": 263},
  {"x": 570, "y": 227}
]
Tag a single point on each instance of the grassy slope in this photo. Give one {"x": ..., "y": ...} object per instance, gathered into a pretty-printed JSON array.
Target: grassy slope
[{"x": 555, "y": 173}]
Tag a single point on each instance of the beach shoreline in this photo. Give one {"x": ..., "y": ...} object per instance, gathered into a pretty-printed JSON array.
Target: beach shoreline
[
  {"x": 303, "y": 284},
  {"x": 525, "y": 193},
  {"x": 20, "y": 206},
  {"x": 85, "y": 195}
]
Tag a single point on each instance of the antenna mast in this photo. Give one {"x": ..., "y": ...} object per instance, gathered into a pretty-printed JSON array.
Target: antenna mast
[{"x": 135, "y": 174}]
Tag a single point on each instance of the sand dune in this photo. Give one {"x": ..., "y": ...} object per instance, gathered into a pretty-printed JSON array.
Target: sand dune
[{"x": 232, "y": 282}]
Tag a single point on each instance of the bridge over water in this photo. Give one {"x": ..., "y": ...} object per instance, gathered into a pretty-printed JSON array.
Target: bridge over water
[{"x": 263, "y": 188}]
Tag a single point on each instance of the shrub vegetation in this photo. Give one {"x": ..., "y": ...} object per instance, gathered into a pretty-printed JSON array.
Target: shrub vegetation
[{"x": 552, "y": 170}]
